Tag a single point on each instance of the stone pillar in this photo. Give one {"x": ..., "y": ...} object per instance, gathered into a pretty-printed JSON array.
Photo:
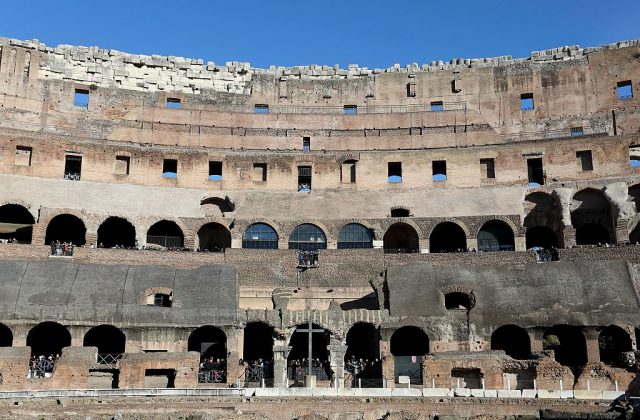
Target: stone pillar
[
  {"x": 520, "y": 243},
  {"x": 472, "y": 242},
  {"x": 283, "y": 243},
  {"x": 569, "y": 236},
  {"x": 236, "y": 242},
  {"x": 591, "y": 334},
  {"x": 337, "y": 351},
  {"x": 423, "y": 245},
  {"x": 91, "y": 238},
  {"x": 280, "y": 355},
  {"x": 535, "y": 338},
  {"x": 38, "y": 234},
  {"x": 233, "y": 368},
  {"x": 621, "y": 231},
  {"x": 388, "y": 365}
]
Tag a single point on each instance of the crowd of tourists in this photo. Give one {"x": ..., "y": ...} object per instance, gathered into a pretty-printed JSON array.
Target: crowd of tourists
[
  {"x": 212, "y": 370},
  {"x": 307, "y": 258},
  {"x": 363, "y": 368},
  {"x": 62, "y": 248},
  {"x": 298, "y": 368},
  {"x": 42, "y": 366}
]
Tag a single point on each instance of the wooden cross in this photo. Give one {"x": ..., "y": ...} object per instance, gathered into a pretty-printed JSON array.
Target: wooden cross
[{"x": 310, "y": 330}]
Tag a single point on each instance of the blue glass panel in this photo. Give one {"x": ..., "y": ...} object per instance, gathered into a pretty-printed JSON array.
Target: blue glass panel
[
  {"x": 439, "y": 177},
  {"x": 395, "y": 179},
  {"x": 215, "y": 177},
  {"x": 170, "y": 175}
]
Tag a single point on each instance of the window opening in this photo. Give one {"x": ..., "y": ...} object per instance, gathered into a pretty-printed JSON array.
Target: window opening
[
  {"x": 437, "y": 106},
  {"x": 307, "y": 237},
  {"x": 487, "y": 166},
  {"x": 260, "y": 236},
  {"x": 23, "y": 156},
  {"x": 348, "y": 172},
  {"x": 585, "y": 160},
  {"x": 350, "y": 109},
  {"x": 215, "y": 170},
  {"x": 81, "y": 98},
  {"x": 624, "y": 90},
  {"x": 400, "y": 212},
  {"x": 355, "y": 236},
  {"x": 304, "y": 178},
  {"x": 162, "y": 299},
  {"x": 535, "y": 172},
  {"x": 577, "y": 131},
  {"x": 394, "y": 172},
  {"x": 526, "y": 102},
  {"x": 306, "y": 144},
  {"x": 459, "y": 300},
  {"x": 439, "y": 170},
  {"x": 72, "y": 167},
  {"x": 634, "y": 156},
  {"x": 411, "y": 89},
  {"x": 170, "y": 168},
  {"x": 122, "y": 165},
  {"x": 262, "y": 109},
  {"x": 260, "y": 172},
  {"x": 174, "y": 103}
]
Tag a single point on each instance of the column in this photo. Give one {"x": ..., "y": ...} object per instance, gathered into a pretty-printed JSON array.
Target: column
[
  {"x": 388, "y": 365},
  {"x": 591, "y": 335},
  {"x": 337, "y": 351},
  {"x": 535, "y": 339},
  {"x": 569, "y": 236},
  {"x": 233, "y": 368},
  {"x": 280, "y": 355}
]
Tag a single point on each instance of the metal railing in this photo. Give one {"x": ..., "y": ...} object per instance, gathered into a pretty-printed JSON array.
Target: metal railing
[
  {"x": 140, "y": 392},
  {"x": 41, "y": 368},
  {"x": 62, "y": 250},
  {"x": 556, "y": 134},
  {"x": 297, "y": 373},
  {"x": 214, "y": 376},
  {"x": 108, "y": 358},
  {"x": 72, "y": 176}
]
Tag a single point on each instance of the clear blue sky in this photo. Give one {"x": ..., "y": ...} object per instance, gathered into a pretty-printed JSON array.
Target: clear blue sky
[{"x": 373, "y": 33}]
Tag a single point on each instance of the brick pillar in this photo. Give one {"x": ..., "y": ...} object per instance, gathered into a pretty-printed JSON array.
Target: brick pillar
[
  {"x": 337, "y": 351},
  {"x": 535, "y": 338},
  {"x": 591, "y": 334},
  {"x": 233, "y": 368},
  {"x": 189, "y": 241},
  {"x": 283, "y": 243},
  {"x": 280, "y": 355},
  {"x": 423, "y": 245},
  {"x": 91, "y": 238},
  {"x": 388, "y": 365},
  {"x": 39, "y": 233},
  {"x": 520, "y": 243},
  {"x": 472, "y": 243},
  {"x": 569, "y": 236}
]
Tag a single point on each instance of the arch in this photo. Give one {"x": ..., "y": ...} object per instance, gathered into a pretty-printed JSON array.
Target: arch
[
  {"x": 258, "y": 342},
  {"x": 166, "y": 233},
  {"x": 260, "y": 236},
  {"x": 209, "y": 341},
  {"x": 541, "y": 236},
  {"x": 590, "y": 208},
  {"x": 213, "y": 237},
  {"x": 66, "y": 228},
  {"x": 107, "y": 338},
  {"x": 363, "y": 342},
  {"x": 496, "y": 235},
  {"x": 401, "y": 237},
  {"x": 16, "y": 223},
  {"x": 48, "y": 338},
  {"x": 299, "y": 343},
  {"x": 355, "y": 236},
  {"x": 6, "y": 336},
  {"x": 513, "y": 340},
  {"x": 307, "y": 237},
  {"x": 409, "y": 341},
  {"x": 612, "y": 341},
  {"x": 447, "y": 237},
  {"x": 568, "y": 344},
  {"x": 225, "y": 205},
  {"x": 541, "y": 209},
  {"x": 116, "y": 231}
]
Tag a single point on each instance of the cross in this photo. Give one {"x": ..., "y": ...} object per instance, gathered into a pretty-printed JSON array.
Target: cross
[{"x": 310, "y": 330}]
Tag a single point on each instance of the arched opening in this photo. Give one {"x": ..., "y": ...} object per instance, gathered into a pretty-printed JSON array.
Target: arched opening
[
  {"x": 634, "y": 236},
  {"x": 107, "y": 338},
  {"x": 66, "y": 228},
  {"x": 258, "y": 342},
  {"x": 166, "y": 234},
  {"x": 459, "y": 300},
  {"x": 362, "y": 358},
  {"x": 214, "y": 237},
  {"x": 513, "y": 340},
  {"x": 407, "y": 345},
  {"x": 568, "y": 344},
  {"x": 16, "y": 224},
  {"x": 634, "y": 195},
  {"x": 541, "y": 236},
  {"x": 447, "y": 237},
  {"x": 401, "y": 238},
  {"x": 307, "y": 237},
  {"x": 260, "y": 236},
  {"x": 591, "y": 217},
  {"x": 496, "y": 235},
  {"x": 116, "y": 232},
  {"x": 298, "y": 360},
  {"x": 6, "y": 336},
  {"x": 355, "y": 236},
  {"x": 541, "y": 209},
  {"x": 48, "y": 339},
  {"x": 211, "y": 343},
  {"x": 613, "y": 341}
]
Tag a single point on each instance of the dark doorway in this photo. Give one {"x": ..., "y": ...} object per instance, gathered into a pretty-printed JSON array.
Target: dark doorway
[
  {"x": 214, "y": 237},
  {"x": 447, "y": 237},
  {"x": 409, "y": 341},
  {"x": 258, "y": 342},
  {"x": 16, "y": 223},
  {"x": 541, "y": 236},
  {"x": 613, "y": 341},
  {"x": 592, "y": 234},
  {"x": 568, "y": 344},
  {"x": 116, "y": 232},
  {"x": 66, "y": 228},
  {"x": 400, "y": 238},
  {"x": 48, "y": 339},
  {"x": 209, "y": 341},
  {"x": 513, "y": 340},
  {"x": 591, "y": 217},
  {"x": 107, "y": 338},
  {"x": 495, "y": 235},
  {"x": 6, "y": 336},
  {"x": 535, "y": 172},
  {"x": 363, "y": 342},
  {"x": 166, "y": 234}
]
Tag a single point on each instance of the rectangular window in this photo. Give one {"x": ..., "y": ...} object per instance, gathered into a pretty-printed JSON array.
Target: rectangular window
[
  {"x": 72, "y": 167},
  {"x": 215, "y": 170},
  {"x": 350, "y": 109},
  {"x": 437, "y": 106},
  {"x": 170, "y": 168},
  {"x": 262, "y": 109},
  {"x": 348, "y": 172},
  {"x": 577, "y": 131},
  {"x": 439, "y": 170},
  {"x": 585, "y": 160},
  {"x": 304, "y": 178},
  {"x": 174, "y": 103},
  {"x": 634, "y": 156},
  {"x": 306, "y": 144},
  {"x": 260, "y": 172},
  {"x": 81, "y": 98},
  {"x": 394, "y": 172},
  {"x": 487, "y": 166},
  {"x": 122, "y": 165},
  {"x": 624, "y": 90},
  {"x": 411, "y": 89},
  {"x": 526, "y": 102},
  {"x": 23, "y": 156},
  {"x": 535, "y": 172}
]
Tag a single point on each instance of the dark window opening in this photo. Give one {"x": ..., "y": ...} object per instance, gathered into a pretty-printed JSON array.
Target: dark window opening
[
  {"x": 409, "y": 341},
  {"x": 568, "y": 344},
  {"x": 624, "y": 90},
  {"x": 496, "y": 235},
  {"x": 159, "y": 378},
  {"x": 526, "y": 102},
  {"x": 513, "y": 340},
  {"x": 400, "y": 212},
  {"x": 16, "y": 224},
  {"x": 634, "y": 156},
  {"x": 261, "y": 109},
  {"x": 447, "y": 237},
  {"x": 577, "y": 131},
  {"x": 306, "y": 144},
  {"x": 394, "y": 172},
  {"x": 23, "y": 156},
  {"x": 72, "y": 167},
  {"x": 165, "y": 234},
  {"x": 535, "y": 172},
  {"x": 613, "y": 341},
  {"x": 116, "y": 232},
  {"x": 585, "y": 161},
  {"x": 411, "y": 89},
  {"x": 437, "y": 106},
  {"x": 213, "y": 237},
  {"x": 542, "y": 237},
  {"x": 170, "y": 168},
  {"x": 459, "y": 300},
  {"x": 162, "y": 299},
  {"x": 350, "y": 109},
  {"x": 122, "y": 165},
  {"x": 66, "y": 228},
  {"x": 6, "y": 336},
  {"x": 439, "y": 170},
  {"x": 174, "y": 103},
  {"x": 260, "y": 172},
  {"x": 362, "y": 358},
  {"x": 300, "y": 348},
  {"x": 487, "y": 166},
  {"x": 400, "y": 238},
  {"x": 258, "y": 345},
  {"x": 81, "y": 98},
  {"x": 260, "y": 236},
  {"x": 304, "y": 178},
  {"x": 215, "y": 170},
  {"x": 48, "y": 339},
  {"x": 108, "y": 339}
]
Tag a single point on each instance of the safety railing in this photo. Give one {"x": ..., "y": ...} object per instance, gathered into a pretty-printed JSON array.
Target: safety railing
[
  {"x": 72, "y": 176},
  {"x": 108, "y": 358},
  {"x": 257, "y": 376},
  {"x": 140, "y": 392},
  {"x": 62, "y": 250},
  {"x": 40, "y": 368},
  {"x": 297, "y": 373},
  {"x": 556, "y": 134},
  {"x": 214, "y": 376}
]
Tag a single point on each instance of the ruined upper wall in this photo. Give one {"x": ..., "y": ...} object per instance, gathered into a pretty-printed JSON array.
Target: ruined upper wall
[{"x": 111, "y": 68}]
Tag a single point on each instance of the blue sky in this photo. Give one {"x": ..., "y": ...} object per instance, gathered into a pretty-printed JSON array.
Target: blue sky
[{"x": 372, "y": 33}]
